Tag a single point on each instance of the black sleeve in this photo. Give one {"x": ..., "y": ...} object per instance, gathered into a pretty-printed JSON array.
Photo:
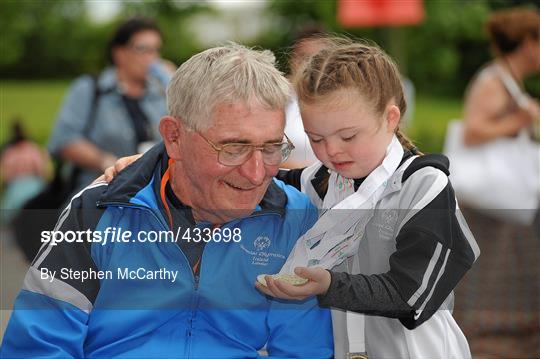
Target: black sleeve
[
  {"x": 291, "y": 177},
  {"x": 434, "y": 249},
  {"x": 368, "y": 294}
]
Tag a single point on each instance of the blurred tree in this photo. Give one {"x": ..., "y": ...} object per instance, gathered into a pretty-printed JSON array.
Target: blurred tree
[
  {"x": 440, "y": 55},
  {"x": 56, "y": 38},
  {"x": 12, "y": 31},
  {"x": 444, "y": 52},
  {"x": 47, "y": 38}
]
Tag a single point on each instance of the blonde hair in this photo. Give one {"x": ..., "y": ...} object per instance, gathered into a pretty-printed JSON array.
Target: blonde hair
[
  {"x": 360, "y": 66},
  {"x": 508, "y": 28},
  {"x": 225, "y": 74}
]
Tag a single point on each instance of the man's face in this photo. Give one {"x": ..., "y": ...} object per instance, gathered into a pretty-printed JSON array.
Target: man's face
[{"x": 220, "y": 193}]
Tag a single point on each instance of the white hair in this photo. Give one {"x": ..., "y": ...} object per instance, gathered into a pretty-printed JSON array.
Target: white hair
[{"x": 225, "y": 74}]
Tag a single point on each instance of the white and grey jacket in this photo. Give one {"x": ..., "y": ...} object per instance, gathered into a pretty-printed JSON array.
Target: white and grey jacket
[{"x": 415, "y": 249}]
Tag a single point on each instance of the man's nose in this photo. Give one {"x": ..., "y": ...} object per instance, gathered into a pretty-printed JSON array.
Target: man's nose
[{"x": 253, "y": 169}]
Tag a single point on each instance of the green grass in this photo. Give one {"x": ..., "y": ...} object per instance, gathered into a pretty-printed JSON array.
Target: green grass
[
  {"x": 37, "y": 103},
  {"x": 428, "y": 127}
]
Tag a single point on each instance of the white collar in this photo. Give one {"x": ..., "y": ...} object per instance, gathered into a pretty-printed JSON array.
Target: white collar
[{"x": 337, "y": 233}]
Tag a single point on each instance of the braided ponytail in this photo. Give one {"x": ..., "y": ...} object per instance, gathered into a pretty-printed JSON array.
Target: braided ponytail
[{"x": 406, "y": 142}]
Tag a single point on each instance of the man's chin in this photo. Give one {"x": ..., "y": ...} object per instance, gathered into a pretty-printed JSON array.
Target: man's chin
[{"x": 220, "y": 216}]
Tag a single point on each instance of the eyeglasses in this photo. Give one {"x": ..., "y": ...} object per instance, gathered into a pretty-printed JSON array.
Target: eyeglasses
[
  {"x": 144, "y": 49},
  {"x": 236, "y": 154}
]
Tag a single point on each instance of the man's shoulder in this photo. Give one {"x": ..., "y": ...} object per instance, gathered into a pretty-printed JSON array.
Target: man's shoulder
[
  {"x": 88, "y": 197},
  {"x": 294, "y": 198}
]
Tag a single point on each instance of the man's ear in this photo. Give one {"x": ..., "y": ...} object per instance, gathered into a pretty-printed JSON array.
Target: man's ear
[
  {"x": 171, "y": 130},
  {"x": 393, "y": 115}
]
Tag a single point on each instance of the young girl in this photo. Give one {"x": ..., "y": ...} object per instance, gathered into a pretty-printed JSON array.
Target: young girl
[{"x": 390, "y": 231}]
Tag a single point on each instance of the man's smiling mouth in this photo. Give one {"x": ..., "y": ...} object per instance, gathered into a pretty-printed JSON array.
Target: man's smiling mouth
[{"x": 238, "y": 188}]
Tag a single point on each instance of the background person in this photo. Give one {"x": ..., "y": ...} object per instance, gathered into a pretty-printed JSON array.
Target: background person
[
  {"x": 23, "y": 170},
  {"x": 307, "y": 42},
  {"x": 491, "y": 110},
  {"x": 499, "y": 308},
  {"x": 113, "y": 115}
]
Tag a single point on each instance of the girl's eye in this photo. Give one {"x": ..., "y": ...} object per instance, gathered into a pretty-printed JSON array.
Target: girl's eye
[
  {"x": 315, "y": 141},
  {"x": 347, "y": 139}
]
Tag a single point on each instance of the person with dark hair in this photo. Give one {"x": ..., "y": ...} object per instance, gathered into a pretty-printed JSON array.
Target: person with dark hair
[
  {"x": 126, "y": 31},
  {"x": 118, "y": 112}
]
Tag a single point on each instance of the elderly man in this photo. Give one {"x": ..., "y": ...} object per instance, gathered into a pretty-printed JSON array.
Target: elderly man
[{"x": 117, "y": 287}]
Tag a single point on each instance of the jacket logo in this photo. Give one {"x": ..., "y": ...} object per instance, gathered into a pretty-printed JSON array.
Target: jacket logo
[
  {"x": 261, "y": 243},
  {"x": 260, "y": 256},
  {"x": 389, "y": 218}
]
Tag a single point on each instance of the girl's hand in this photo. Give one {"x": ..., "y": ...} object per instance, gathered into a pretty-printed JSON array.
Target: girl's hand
[
  {"x": 319, "y": 282},
  {"x": 119, "y": 165}
]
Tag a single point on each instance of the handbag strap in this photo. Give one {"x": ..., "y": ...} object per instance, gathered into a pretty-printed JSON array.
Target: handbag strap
[
  {"x": 90, "y": 122},
  {"x": 517, "y": 94},
  {"x": 91, "y": 119}
]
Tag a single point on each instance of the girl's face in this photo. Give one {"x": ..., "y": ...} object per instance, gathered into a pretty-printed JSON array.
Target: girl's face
[{"x": 347, "y": 135}]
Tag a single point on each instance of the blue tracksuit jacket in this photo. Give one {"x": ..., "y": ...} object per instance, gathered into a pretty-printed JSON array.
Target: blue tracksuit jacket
[{"x": 139, "y": 311}]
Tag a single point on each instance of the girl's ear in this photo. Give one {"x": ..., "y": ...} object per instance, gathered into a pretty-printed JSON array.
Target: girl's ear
[
  {"x": 393, "y": 115},
  {"x": 170, "y": 129}
]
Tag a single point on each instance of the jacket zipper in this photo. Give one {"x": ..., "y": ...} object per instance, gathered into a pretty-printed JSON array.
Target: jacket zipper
[{"x": 195, "y": 277}]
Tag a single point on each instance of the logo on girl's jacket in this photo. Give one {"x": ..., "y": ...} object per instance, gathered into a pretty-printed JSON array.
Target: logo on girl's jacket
[{"x": 387, "y": 227}]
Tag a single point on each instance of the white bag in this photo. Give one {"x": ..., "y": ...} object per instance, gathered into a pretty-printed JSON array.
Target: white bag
[{"x": 501, "y": 177}]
